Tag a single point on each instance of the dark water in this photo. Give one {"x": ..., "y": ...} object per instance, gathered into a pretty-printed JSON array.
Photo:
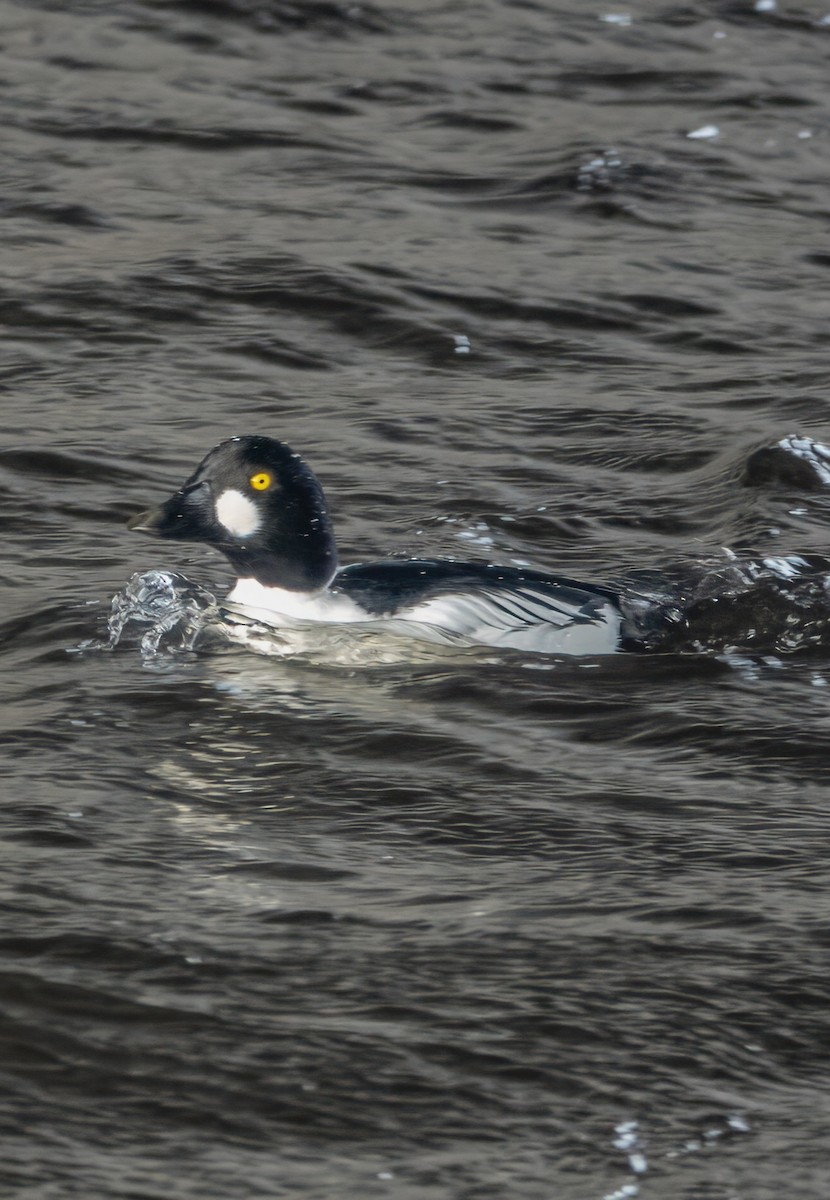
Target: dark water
[{"x": 506, "y": 927}]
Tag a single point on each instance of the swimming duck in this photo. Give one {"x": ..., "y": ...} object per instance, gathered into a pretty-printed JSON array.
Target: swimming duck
[{"x": 256, "y": 500}]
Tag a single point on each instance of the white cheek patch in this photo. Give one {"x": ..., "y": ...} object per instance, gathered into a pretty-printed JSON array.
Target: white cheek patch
[{"x": 239, "y": 515}]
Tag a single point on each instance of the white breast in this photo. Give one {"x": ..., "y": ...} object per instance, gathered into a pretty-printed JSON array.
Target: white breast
[{"x": 278, "y": 606}]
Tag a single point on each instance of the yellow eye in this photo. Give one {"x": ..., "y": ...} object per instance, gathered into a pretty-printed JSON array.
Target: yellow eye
[{"x": 261, "y": 481}]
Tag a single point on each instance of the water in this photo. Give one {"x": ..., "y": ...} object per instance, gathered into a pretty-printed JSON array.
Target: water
[{"x": 496, "y": 926}]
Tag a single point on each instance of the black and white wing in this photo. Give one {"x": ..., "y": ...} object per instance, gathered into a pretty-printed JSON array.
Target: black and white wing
[
  {"x": 483, "y": 604},
  {"x": 552, "y": 620}
]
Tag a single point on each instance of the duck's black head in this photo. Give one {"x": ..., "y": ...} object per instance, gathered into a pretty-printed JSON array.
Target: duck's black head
[{"x": 254, "y": 499}]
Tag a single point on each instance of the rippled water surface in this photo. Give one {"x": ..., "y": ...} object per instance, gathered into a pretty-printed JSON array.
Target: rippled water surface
[{"x": 527, "y": 282}]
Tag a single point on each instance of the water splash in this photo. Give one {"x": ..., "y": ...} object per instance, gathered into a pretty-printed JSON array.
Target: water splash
[
  {"x": 628, "y": 1140},
  {"x": 770, "y": 605},
  {"x": 601, "y": 173},
  {"x": 174, "y": 610}
]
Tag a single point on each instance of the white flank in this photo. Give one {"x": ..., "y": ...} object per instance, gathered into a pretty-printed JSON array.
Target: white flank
[
  {"x": 520, "y": 620},
  {"x": 237, "y": 513}
]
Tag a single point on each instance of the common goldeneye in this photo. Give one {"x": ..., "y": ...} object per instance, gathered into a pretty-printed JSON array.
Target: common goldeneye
[{"x": 258, "y": 502}]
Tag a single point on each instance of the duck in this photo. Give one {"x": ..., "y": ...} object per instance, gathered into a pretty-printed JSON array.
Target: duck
[{"x": 257, "y": 501}]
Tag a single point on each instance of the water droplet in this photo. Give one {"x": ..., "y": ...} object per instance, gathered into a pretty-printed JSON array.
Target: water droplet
[{"x": 705, "y": 131}]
